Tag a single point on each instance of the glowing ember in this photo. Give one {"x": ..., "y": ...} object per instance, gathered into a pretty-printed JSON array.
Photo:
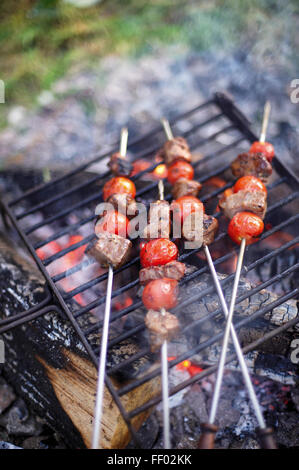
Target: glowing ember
[{"x": 187, "y": 365}]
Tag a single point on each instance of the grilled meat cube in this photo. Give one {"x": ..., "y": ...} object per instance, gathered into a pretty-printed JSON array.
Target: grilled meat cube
[
  {"x": 210, "y": 227},
  {"x": 192, "y": 229},
  {"x": 161, "y": 327},
  {"x": 124, "y": 203},
  {"x": 119, "y": 165},
  {"x": 184, "y": 187},
  {"x": 110, "y": 249},
  {"x": 173, "y": 270},
  {"x": 175, "y": 149},
  {"x": 159, "y": 221},
  {"x": 252, "y": 201},
  {"x": 251, "y": 164}
]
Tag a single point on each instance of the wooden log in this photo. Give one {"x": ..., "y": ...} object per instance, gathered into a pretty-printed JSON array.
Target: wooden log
[{"x": 48, "y": 366}]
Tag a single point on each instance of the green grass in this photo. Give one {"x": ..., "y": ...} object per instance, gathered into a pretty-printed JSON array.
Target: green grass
[{"x": 41, "y": 39}]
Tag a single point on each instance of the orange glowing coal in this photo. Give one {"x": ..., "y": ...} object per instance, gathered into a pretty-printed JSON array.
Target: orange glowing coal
[
  {"x": 187, "y": 365},
  {"x": 64, "y": 263}
]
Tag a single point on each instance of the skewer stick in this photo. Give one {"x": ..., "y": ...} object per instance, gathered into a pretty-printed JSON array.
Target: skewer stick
[
  {"x": 164, "y": 367},
  {"x": 165, "y": 388},
  {"x": 267, "y": 110},
  {"x": 123, "y": 142},
  {"x": 98, "y": 413},
  {"x": 167, "y": 128},
  {"x": 216, "y": 395}
]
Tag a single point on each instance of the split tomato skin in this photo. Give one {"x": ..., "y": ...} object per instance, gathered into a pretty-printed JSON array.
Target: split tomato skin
[
  {"x": 265, "y": 148},
  {"x": 158, "y": 252},
  {"x": 245, "y": 225},
  {"x": 250, "y": 183},
  {"x": 184, "y": 206},
  {"x": 160, "y": 293},
  {"x": 113, "y": 222},
  {"x": 118, "y": 185},
  {"x": 180, "y": 169}
]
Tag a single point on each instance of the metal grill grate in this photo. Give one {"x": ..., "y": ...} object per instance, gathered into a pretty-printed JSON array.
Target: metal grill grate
[{"x": 217, "y": 123}]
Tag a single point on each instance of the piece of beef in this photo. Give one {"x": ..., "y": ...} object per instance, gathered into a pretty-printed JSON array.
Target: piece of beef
[
  {"x": 192, "y": 229},
  {"x": 119, "y": 165},
  {"x": 124, "y": 203},
  {"x": 184, "y": 187},
  {"x": 175, "y": 149},
  {"x": 252, "y": 201},
  {"x": 210, "y": 228},
  {"x": 172, "y": 270},
  {"x": 109, "y": 248},
  {"x": 159, "y": 221},
  {"x": 161, "y": 327},
  {"x": 255, "y": 164}
]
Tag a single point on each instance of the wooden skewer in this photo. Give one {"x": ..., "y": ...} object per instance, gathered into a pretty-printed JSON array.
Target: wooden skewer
[{"x": 98, "y": 412}]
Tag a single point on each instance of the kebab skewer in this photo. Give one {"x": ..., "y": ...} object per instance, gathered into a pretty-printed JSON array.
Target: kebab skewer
[
  {"x": 209, "y": 429},
  {"x": 111, "y": 250},
  {"x": 258, "y": 160},
  {"x": 244, "y": 228}
]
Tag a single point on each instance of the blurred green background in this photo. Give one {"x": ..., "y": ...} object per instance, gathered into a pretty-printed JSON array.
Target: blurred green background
[{"x": 41, "y": 39}]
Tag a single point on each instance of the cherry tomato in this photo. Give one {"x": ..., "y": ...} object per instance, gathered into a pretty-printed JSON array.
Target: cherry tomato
[
  {"x": 119, "y": 184},
  {"x": 113, "y": 222},
  {"x": 265, "y": 148},
  {"x": 180, "y": 169},
  {"x": 245, "y": 225},
  {"x": 157, "y": 252},
  {"x": 185, "y": 205},
  {"x": 160, "y": 293},
  {"x": 250, "y": 183}
]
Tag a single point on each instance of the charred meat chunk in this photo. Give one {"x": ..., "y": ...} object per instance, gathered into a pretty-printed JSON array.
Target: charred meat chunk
[
  {"x": 159, "y": 221},
  {"x": 210, "y": 228},
  {"x": 250, "y": 201},
  {"x": 192, "y": 229},
  {"x": 110, "y": 249},
  {"x": 124, "y": 203},
  {"x": 119, "y": 165},
  {"x": 251, "y": 164},
  {"x": 161, "y": 327},
  {"x": 175, "y": 149},
  {"x": 173, "y": 270},
  {"x": 184, "y": 187}
]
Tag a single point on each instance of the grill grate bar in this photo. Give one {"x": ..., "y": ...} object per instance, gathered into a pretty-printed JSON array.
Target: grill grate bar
[
  {"x": 87, "y": 285},
  {"x": 218, "y": 311},
  {"x": 260, "y": 312},
  {"x": 205, "y": 373},
  {"x": 226, "y": 281}
]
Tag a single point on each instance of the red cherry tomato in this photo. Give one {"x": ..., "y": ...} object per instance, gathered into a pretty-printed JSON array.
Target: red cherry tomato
[
  {"x": 119, "y": 184},
  {"x": 245, "y": 225},
  {"x": 113, "y": 222},
  {"x": 157, "y": 252},
  {"x": 265, "y": 148},
  {"x": 180, "y": 169},
  {"x": 185, "y": 205},
  {"x": 160, "y": 293},
  {"x": 250, "y": 183}
]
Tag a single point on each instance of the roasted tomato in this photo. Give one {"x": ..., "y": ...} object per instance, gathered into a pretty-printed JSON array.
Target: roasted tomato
[
  {"x": 119, "y": 184},
  {"x": 245, "y": 225},
  {"x": 265, "y": 148},
  {"x": 185, "y": 205},
  {"x": 250, "y": 183},
  {"x": 160, "y": 293},
  {"x": 180, "y": 169},
  {"x": 157, "y": 252},
  {"x": 113, "y": 222}
]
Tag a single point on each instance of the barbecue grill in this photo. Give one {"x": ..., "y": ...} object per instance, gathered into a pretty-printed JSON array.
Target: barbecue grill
[{"x": 230, "y": 129}]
